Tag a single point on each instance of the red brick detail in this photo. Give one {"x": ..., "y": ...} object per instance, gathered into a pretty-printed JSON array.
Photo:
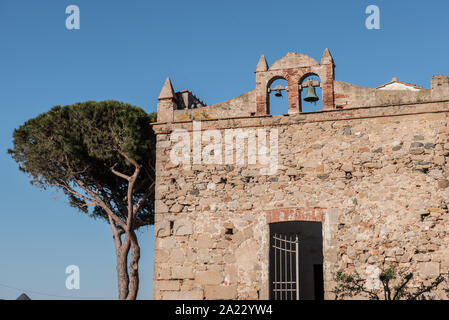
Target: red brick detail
[
  {"x": 293, "y": 97},
  {"x": 328, "y": 88},
  {"x": 295, "y": 214}
]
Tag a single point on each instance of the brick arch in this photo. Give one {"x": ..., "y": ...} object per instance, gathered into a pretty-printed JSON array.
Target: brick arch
[
  {"x": 274, "y": 78},
  {"x": 301, "y": 81},
  {"x": 263, "y": 84},
  {"x": 293, "y": 76},
  {"x": 270, "y": 83},
  {"x": 306, "y": 75},
  {"x": 316, "y": 214}
]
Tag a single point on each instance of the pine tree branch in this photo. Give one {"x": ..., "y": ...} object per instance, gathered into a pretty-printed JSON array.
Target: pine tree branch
[
  {"x": 144, "y": 197},
  {"x": 119, "y": 174},
  {"x": 68, "y": 189},
  {"x": 101, "y": 203}
]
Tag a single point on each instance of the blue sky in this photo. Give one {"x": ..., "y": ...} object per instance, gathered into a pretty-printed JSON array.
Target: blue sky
[{"x": 124, "y": 50}]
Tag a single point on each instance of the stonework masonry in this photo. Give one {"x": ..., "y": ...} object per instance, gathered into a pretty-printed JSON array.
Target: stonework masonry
[{"x": 375, "y": 172}]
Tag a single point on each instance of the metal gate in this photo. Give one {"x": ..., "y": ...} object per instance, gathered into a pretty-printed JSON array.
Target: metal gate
[{"x": 285, "y": 259}]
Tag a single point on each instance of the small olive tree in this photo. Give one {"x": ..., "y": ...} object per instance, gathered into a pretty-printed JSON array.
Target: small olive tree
[
  {"x": 101, "y": 155},
  {"x": 394, "y": 286}
]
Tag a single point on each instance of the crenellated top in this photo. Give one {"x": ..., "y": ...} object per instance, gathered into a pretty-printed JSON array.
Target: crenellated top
[
  {"x": 169, "y": 101},
  {"x": 295, "y": 68},
  {"x": 293, "y": 61}
]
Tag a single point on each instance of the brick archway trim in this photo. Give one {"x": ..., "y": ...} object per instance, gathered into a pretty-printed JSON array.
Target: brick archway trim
[{"x": 295, "y": 214}]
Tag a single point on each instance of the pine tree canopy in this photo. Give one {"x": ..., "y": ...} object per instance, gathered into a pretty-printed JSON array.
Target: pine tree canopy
[{"x": 93, "y": 151}]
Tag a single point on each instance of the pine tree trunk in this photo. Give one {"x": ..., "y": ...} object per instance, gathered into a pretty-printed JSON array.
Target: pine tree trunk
[
  {"x": 128, "y": 281},
  {"x": 122, "y": 270},
  {"x": 134, "y": 267}
]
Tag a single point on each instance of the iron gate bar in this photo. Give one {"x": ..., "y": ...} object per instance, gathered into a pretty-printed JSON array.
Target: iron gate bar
[
  {"x": 291, "y": 271},
  {"x": 285, "y": 266},
  {"x": 286, "y": 254},
  {"x": 275, "y": 270},
  {"x": 297, "y": 266}
]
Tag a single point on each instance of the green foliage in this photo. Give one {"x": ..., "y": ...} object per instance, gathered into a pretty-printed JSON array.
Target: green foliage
[
  {"x": 349, "y": 285},
  {"x": 74, "y": 148},
  {"x": 352, "y": 285}
]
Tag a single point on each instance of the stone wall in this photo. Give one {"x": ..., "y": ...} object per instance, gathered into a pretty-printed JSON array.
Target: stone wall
[{"x": 376, "y": 177}]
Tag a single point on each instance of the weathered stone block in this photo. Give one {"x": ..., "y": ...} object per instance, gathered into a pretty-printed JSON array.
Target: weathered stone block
[
  {"x": 176, "y": 208},
  {"x": 204, "y": 241},
  {"x": 332, "y": 216},
  {"x": 209, "y": 277},
  {"x": 182, "y": 227},
  {"x": 439, "y": 160},
  {"x": 166, "y": 243},
  {"x": 443, "y": 184},
  {"x": 372, "y": 165},
  {"x": 177, "y": 255},
  {"x": 220, "y": 292},
  {"x": 437, "y": 210},
  {"x": 417, "y": 151},
  {"x": 246, "y": 254},
  {"x": 162, "y": 229},
  {"x": 160, "y": 206},
  {"x": 182, "y": 272},
  {"x": 429, "y": 269},
  {"x": 230, "y": 273},
  {"x": 347, "y": 167},
  {"x": 161, "y": 255},
  {"x": 417, "y": 145},
  {"x": 162, "y": 271},
  {"x": 183, "y": 295},
  {"x": 173, "y": 285},
  {"x": 421, "y": 257}
]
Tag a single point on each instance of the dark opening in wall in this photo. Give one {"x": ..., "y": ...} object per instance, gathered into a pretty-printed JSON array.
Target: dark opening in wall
[
  {"x": 296, "y": 259},
  {"x": 318, "y": 281},
  {"x": 172, "y": 224}
]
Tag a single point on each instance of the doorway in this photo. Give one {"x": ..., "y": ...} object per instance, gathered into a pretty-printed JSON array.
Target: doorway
[{"x": 296, "y": 261}]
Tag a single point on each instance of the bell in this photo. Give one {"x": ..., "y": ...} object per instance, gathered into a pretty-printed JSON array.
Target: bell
[
  {"x": 311, "y": 94},
  {"x": 278, "y": 91}
]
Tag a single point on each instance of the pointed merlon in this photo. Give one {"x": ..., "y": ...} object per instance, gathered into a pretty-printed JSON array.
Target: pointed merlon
[
  {"x": 262, "y": 65},
  {"x": 167, "y": 91},
  {"x": 327, "y": 57}
]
